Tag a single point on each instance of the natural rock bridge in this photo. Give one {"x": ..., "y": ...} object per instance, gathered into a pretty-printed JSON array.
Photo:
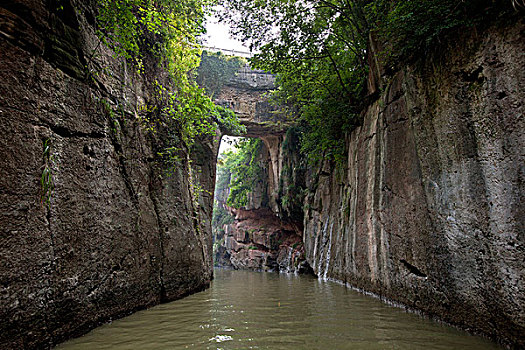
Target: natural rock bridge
[
  {"x": 251, "y": 241},
  {"x": 247, "y": 95}
]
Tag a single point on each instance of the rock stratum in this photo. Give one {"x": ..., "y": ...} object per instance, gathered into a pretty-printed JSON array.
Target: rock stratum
[{"x": 115, "y": 227}]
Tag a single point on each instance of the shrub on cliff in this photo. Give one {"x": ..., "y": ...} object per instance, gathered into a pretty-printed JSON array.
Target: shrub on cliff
[
  {"x": 320, "y": 51},
  {"x": 168, "y": 31},
  {"x": 216, "y": 69}
]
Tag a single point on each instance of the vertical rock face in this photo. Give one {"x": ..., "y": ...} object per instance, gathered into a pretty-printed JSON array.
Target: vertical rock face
[
  {"x": 93, "y": 223},
  {"x": 428, "y": 210},
  {"x": 261, "y": 235}
]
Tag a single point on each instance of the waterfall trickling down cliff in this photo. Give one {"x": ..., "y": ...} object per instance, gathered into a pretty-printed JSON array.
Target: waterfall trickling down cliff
[{"x": 427, "y": 209}]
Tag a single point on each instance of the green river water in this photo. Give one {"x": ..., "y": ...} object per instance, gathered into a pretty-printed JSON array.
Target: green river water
[{"x": 251, "y": 310}]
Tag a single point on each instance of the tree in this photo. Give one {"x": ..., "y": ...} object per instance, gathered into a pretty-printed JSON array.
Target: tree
[
  {"x": 318, "y": 48},
  {"x": 168, "y": 30}
]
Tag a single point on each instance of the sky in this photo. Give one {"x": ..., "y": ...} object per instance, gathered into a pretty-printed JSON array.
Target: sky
[
  {"x": 227, "y": 142},
  {"x": 218, "y": 36}
]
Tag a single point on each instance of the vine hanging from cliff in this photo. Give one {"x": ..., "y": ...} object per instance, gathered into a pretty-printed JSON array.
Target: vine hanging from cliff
[
  {"x": 169, "y": 31},
  {"x": 167, "y": 28}
]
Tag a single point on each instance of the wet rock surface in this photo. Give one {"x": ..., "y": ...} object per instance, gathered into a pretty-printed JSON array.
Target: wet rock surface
[
  {"x": 428, "y": 209},
  {"x": 122, "y": 230}
]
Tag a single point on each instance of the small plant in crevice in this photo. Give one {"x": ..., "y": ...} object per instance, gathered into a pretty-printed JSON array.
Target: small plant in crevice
[
  {"x": 46, "y": 179},
  {"x": 171, "y": 156},
  {"x": 196, "y": 188}
]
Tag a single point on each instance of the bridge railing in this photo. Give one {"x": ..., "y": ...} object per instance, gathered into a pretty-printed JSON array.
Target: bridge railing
[{"x": 229, "y": 51}]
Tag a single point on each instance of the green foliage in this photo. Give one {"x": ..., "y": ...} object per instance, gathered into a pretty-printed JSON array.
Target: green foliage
[
  {"x": 171, "y": 156},
  {"x": 246, "y": 172},
  {"x": 221, "y": 217},
  {"x": 188, "y": 110},
  {"x": 292, "y": 181},
  {"x": 413, "y": 27},
  {"x": 215, "y": 70},
  {"x": 239, "y": 169},
  {"x": 319, "y": 49},
  {"x": 167, "y": 30},
  {"x": 228, "y": 121},
  {"x": 165, "y": 27}
]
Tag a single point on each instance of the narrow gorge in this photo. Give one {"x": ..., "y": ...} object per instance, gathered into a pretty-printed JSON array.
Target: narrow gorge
[{"x": 106, "y": 199}]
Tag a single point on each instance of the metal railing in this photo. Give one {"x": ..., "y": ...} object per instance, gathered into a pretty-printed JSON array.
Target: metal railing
[{"x": 229, "y": 51}]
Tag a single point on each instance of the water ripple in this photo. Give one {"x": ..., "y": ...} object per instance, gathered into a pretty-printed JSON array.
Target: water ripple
[{"x": 248, "y": 310}]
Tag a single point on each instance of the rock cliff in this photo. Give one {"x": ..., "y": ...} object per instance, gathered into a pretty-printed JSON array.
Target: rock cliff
[
  {"x": 261, "y": 235},
  {"x": 428, "y": 209},
  {"x": 94, "y": 222}
]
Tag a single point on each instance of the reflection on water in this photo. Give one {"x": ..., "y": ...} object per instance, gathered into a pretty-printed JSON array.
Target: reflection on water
[{"x": 251, "y": 310}]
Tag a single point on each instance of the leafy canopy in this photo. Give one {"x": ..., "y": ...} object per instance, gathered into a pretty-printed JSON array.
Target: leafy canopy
[
  {"x": 167, "y": 30},
  {"x": 216, "y": 69},
  {"x": 319, "y": 49}
]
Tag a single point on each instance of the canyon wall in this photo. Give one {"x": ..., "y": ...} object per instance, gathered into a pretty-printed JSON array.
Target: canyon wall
[
  {"x": 266, "y": 233},
  {"x": 428, "y": 210},
  {"x": 262, "y": 235},
  {"x": 95, "y": 220}
]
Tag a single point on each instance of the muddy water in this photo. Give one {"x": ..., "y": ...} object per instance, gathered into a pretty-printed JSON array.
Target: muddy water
[{"x": 250, "y": 310}]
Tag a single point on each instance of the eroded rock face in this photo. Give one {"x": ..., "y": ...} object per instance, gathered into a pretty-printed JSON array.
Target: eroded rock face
[
  {"x": 260, "y": 241},
  {"x": 247, "y": 95},
  {"x": 428, "y": 210},
  {"x": 261, "y": 235},
  {"x": 123, "y": 229}
]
